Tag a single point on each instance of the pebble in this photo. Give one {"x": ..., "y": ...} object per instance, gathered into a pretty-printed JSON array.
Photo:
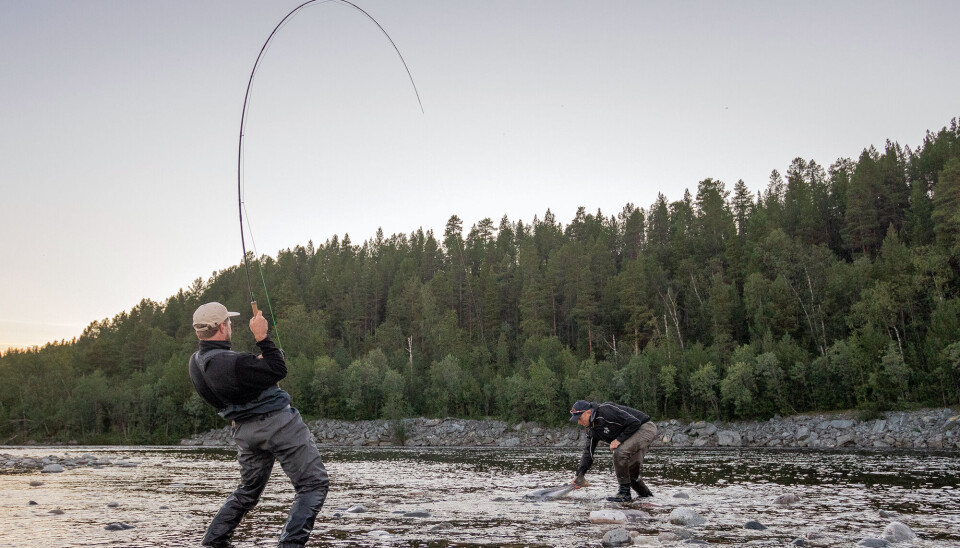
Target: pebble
[
  {"x": 118, "y": 526},
  {"x": 886, "y": 514},
  {"x": 685, "y": 516},
  {"x": 616, "y": 537},
  {"x": 754, "y": 525},
  {"x": 113, "y": 504},
  {"x": 32, "y": 503},
  {"x": 36, "y": 483}
]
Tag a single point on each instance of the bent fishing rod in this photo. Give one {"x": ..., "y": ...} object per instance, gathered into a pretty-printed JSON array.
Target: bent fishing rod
[{"x": 243, "y": 115}]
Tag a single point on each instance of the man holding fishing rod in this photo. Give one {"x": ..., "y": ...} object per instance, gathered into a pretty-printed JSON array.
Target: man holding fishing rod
[
  {"x": 629, "y": 433},
  {"x": 243, "y": 387}
]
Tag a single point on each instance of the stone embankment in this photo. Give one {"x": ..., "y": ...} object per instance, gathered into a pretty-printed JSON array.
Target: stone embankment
[{"x": 926, "y": 429}]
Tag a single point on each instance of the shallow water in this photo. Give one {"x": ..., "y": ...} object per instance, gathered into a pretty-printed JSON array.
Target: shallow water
[{"x": 475, "y": 497}]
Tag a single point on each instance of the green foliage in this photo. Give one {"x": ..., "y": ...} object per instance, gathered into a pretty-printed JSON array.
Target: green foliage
[{"x": 829, "y": 289}]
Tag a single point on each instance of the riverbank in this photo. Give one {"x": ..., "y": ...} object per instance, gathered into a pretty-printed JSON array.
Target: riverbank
[{"x": 937, "y": 429}]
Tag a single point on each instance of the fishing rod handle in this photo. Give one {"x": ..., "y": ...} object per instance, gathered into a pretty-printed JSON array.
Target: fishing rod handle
[{"x": 253, "y": 305}]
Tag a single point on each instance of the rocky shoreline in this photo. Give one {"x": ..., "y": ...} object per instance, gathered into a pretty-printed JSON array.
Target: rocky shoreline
[{"x": 932, "y": 429}]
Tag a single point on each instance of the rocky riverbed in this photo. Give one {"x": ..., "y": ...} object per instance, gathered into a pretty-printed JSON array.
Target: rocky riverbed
[
  {"x": 481, "y": 497},
  {"x": 926, "y": 429}
]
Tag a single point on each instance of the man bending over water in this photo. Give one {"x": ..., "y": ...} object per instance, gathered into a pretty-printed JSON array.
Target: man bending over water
[{"x": 629, "y": 433}]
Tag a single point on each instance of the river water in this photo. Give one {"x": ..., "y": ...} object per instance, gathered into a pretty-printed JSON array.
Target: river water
[{"x": 474, "y": 497}]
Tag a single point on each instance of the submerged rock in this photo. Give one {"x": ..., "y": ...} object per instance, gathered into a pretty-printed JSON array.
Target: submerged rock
[
  {"x": 873, "y": 543},
  {"x": 787, "y": 498},
  {"x": 685, "y": 516},
  {"x": 617, "y": 537},
  {"x": 113, "y": 504},
  {"x": 417, "y": 514},
  {"x": 898, "y": 532},
  {"x": 636, "y": 515},
  {"x": 55, "y": 511},
  {"x": 754, "y": 525},
  {"x": 118, "y": 526},
  {"x": 681, "y": 495},
  {"x": 36, "y": 483},
  {"x": 52, "y": 469}
]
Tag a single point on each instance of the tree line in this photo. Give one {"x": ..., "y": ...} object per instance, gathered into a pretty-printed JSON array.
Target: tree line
[{"x": 831, "y": 288}]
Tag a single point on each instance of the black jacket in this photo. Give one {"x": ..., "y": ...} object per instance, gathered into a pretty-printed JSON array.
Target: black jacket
[
  {"x": 239, "y": 384},
  {"x": 609, "y": 421}
]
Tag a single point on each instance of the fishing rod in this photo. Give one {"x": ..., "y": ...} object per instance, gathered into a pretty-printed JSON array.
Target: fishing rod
[{"x": 243, "y": 116}]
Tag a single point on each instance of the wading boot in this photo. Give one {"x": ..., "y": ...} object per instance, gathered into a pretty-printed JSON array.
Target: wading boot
[
  {"x": 640, "y": 488},
  {"x": 623, "y": 495}
]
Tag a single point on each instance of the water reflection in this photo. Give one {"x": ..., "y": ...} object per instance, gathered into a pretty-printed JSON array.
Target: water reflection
[{"x": 474, "y": 497}]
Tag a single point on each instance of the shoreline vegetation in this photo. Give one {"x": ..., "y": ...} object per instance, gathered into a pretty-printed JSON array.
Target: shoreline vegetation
[{"x": 832, "y": 287}]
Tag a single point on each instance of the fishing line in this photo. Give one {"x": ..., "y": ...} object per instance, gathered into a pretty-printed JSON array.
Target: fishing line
[
  {"x": 241, "y": 205},
  {"x": 256, "y": 254}
]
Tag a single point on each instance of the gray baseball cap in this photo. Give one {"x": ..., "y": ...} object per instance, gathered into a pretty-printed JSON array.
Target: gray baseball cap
[{"x": 211, "y": 315}]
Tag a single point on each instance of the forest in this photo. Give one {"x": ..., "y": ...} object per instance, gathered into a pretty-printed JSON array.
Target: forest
[{"x": 830, "y": 288}]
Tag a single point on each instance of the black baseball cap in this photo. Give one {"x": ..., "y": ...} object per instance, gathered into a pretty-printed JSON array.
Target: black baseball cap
[{"x": 578, "y": 409}]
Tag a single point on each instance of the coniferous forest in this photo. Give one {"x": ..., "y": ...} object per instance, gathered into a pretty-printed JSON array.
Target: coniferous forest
[{"x": 832, "y": 288}]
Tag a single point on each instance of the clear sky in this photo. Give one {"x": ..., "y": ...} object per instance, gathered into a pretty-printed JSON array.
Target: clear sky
[{"x": 119, "y": 122}]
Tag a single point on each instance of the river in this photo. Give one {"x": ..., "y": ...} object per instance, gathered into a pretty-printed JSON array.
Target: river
[{"x": 474, "y": 497}]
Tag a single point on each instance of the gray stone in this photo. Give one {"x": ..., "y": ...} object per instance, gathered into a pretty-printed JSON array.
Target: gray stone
[
  {"x": 356, "y": 509},
  {"x": 681, "y": 495},
  {"x": 685, "y": 516},
  {"x": 728, "y": 438},
  {"x": 52, "y": 469},
  {"x": 879, "y": 426},
  {"x": 841, "y": 424},
  {"x": 802, "y": 433},
  {"x": 754, "y": 525},
  {"x": 417, "y": 514},
  {"x": 798, "y": 542},
  {"x": 898, "y": 532},
  {"x": 113, "y": 504},
  {"x": 886, "y": 514},
  {"x": 56, "y": 511},
  {"x": 873, "y": 543},
  {"x": 36, "y": 483},
  {"x": 668, "y": 537},
  {"x": 845, "y": 439},
  {"x": 617, "y": 537},
  {"x": 118, "y": 526}
]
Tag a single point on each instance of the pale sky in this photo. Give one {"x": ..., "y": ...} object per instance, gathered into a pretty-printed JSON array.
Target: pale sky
[{"x": 119, "y": 122}]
